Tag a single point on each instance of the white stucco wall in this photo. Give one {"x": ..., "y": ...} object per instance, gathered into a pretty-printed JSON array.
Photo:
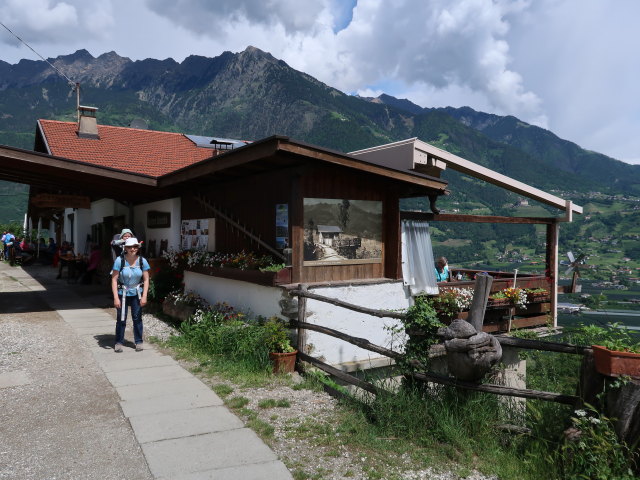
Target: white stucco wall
[
  {"x": 382, "y": 296},
  {"x": 244, "y": 296},
  {"x": 261, "y": 300},
  {"x": 172, "y": 234}
]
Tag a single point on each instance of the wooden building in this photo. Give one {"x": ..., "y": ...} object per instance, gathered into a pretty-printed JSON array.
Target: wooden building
[{"x": 333, "y": 218}]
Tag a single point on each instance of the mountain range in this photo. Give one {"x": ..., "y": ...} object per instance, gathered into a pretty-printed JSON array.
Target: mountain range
[{"x": 252, "y": 95}]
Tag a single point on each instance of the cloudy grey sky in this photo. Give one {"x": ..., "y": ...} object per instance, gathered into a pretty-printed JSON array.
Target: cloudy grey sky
[{"x": 567, "y": 65}]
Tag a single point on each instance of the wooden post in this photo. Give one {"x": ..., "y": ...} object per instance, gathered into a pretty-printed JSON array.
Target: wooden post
[
  {"x": 481, "y": 291},
  {"x": 302, "y": 316},
  {"x": 552, "y": 268}
]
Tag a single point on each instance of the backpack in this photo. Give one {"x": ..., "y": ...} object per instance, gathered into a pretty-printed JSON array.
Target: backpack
[{"x": 122, "y": 260}]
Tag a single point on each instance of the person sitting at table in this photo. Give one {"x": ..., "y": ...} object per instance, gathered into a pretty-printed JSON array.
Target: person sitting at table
[
  {"x": 442, "y": 270},
  {"x": 92, "y": 267},
  {"x": 20, "y": 255},
  {"x": 65, "y": 255}
]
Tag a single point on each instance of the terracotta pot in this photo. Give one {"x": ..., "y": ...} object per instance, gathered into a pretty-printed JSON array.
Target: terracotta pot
[
  {"x": 614, "y": 363},
  {"x": 283, "y": 362}
]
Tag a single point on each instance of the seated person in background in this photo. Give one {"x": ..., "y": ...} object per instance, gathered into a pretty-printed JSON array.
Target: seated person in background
[
  {"x": 94, "y": 262},
  {"x": 442, "y": 270},
  {"x": 21, "y": 255},
  {"x": 64, "y": 254},
  {"x": 27, "y": 246}
]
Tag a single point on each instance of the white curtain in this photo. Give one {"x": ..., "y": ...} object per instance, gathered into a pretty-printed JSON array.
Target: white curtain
[{"x": 418, "y": 268}]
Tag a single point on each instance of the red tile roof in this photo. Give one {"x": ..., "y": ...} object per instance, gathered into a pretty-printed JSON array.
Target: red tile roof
[{"x": 138, "y": 151}]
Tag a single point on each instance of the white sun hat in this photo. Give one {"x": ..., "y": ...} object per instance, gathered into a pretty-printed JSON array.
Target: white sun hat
[{"x": 132, "y": 242}]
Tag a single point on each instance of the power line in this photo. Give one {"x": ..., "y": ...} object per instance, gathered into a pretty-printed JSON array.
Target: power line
[{"x": 71, "y": 82}]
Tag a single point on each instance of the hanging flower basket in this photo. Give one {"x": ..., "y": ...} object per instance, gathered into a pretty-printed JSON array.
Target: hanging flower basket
[{"x": 614, "y": 363}]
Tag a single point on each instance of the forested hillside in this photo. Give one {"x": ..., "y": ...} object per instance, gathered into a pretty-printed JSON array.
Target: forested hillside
[{"x": 251, "y": 95}]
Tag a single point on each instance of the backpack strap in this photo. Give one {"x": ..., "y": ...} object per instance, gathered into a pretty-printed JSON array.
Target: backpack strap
[{"x": 122, "y": 260}]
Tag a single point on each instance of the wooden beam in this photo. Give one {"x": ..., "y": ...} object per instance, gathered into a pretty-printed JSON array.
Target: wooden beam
[
  {"x": 542, "y": 345},
  {"x": 552, "y": 268},
  {"x": 498, "y": 389},
  {"x": 349, "y": 306},
  {"x": 359, "y": 342},
  {"x": 345, "y": 161},
  {"x": 369, "y": 387},
  {"x": 218, "y": 214},
  {"x": 447, "y": 217},
  {"x": 490, "y": 176}
]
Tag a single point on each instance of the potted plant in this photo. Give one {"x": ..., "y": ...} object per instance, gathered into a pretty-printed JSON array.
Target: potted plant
[
  {"x": 619, "y": 354},
  {"x": 182, "y": 305},
  {"x": 537, "y": 295},
  {"x": 281, "y": 353},
  {"x": 451, "y": 301}
]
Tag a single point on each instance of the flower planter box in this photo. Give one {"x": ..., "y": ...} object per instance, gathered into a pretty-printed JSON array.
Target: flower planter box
[
  {"x": 283, "y": 362},
  {"x": 180, "y": 312},
  {"x": 269, "y": 279},
  {"x": 499, "y": 302},
  {"x": 614, "y": 363},
  {"x": 537, "y": 297}
]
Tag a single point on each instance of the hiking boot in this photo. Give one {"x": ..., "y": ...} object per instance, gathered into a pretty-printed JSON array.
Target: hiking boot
[
  {"x": 139, "y": 347},
  {"x": 118, "y": 348}
]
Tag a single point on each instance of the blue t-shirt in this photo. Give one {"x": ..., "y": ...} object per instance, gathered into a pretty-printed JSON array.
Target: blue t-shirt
[
  {"x": 444, "y": 276},
  {"x": 130, "y": 276}
]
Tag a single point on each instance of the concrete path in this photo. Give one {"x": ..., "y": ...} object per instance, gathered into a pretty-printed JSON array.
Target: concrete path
[{"x": 181, "y": 425}]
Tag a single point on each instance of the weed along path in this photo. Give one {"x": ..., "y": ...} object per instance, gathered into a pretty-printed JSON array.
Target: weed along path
[{"x": 72, "y": 408}]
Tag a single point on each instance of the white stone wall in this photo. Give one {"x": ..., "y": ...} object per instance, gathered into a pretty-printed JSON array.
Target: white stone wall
[
  {"x": 244, "y": 296},
  {"x": 382, "y": 296},
  {"x": 261, "y": 300}
]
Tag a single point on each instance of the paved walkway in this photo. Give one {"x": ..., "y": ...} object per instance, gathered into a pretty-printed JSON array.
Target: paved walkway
[{"x": 180, "y": 427}]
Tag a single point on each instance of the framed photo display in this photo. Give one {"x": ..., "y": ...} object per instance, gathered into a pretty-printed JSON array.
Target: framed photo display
[{"x": 342, "y": 231}]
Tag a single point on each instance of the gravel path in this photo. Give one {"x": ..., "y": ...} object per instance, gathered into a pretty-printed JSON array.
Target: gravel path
[{"x": 59, "y": 415}]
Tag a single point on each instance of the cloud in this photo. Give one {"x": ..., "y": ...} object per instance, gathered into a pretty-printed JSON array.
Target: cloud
[
  {"x": 444, "y": 47},
  {"x": 204, "y": 17},
  {"x": 51, "y": 22}
]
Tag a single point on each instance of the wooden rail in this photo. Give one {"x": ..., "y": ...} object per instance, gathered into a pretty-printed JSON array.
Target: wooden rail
[
  {"x": 350, "y": 306},
  {"x": 302, "y": 293}
]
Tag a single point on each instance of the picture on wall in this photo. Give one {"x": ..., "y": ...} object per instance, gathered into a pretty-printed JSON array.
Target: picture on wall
[
  {"x": 341, "y": 231},
  {"x": 197, "y": 234}
]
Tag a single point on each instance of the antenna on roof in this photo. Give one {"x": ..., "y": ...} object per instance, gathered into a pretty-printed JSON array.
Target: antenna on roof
[{"x": 74, "y": 85}]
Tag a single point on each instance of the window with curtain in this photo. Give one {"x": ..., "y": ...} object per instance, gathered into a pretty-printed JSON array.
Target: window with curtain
[{"x": 418, "y": 267}]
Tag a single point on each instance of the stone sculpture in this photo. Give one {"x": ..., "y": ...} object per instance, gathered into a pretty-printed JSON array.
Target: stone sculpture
[{"x": 470, "y": 354}]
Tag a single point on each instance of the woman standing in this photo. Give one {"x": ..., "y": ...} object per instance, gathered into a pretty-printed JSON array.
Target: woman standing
[{"x": 129, "y": 284}]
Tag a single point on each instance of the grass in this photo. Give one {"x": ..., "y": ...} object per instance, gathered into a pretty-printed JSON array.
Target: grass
[
  {"x": 415, "y": 428},
  {"x": 273, "y": 403}
]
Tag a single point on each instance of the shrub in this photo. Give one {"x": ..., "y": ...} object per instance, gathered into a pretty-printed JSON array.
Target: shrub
[{"x": 592, "y": 450}]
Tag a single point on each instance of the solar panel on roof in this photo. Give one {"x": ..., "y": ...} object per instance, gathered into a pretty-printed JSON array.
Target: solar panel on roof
[{"x": 216, "y": 142}]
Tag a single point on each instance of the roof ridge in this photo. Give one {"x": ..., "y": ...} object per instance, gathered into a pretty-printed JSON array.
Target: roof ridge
[{"x": 101, "y": 125}]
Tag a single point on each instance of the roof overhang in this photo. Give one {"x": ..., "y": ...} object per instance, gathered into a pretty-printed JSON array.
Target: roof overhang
[
  {"x": 414, "y": 154},
  {"x": 50, "y": 172},
  {"x": 281, "y": 152}
]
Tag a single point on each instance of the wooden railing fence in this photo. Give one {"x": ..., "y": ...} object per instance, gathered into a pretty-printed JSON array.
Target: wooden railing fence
[{"x": 426, "y": 376}]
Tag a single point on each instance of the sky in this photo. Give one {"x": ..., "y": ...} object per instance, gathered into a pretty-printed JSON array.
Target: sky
[{"x": 570, "y": 66}]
